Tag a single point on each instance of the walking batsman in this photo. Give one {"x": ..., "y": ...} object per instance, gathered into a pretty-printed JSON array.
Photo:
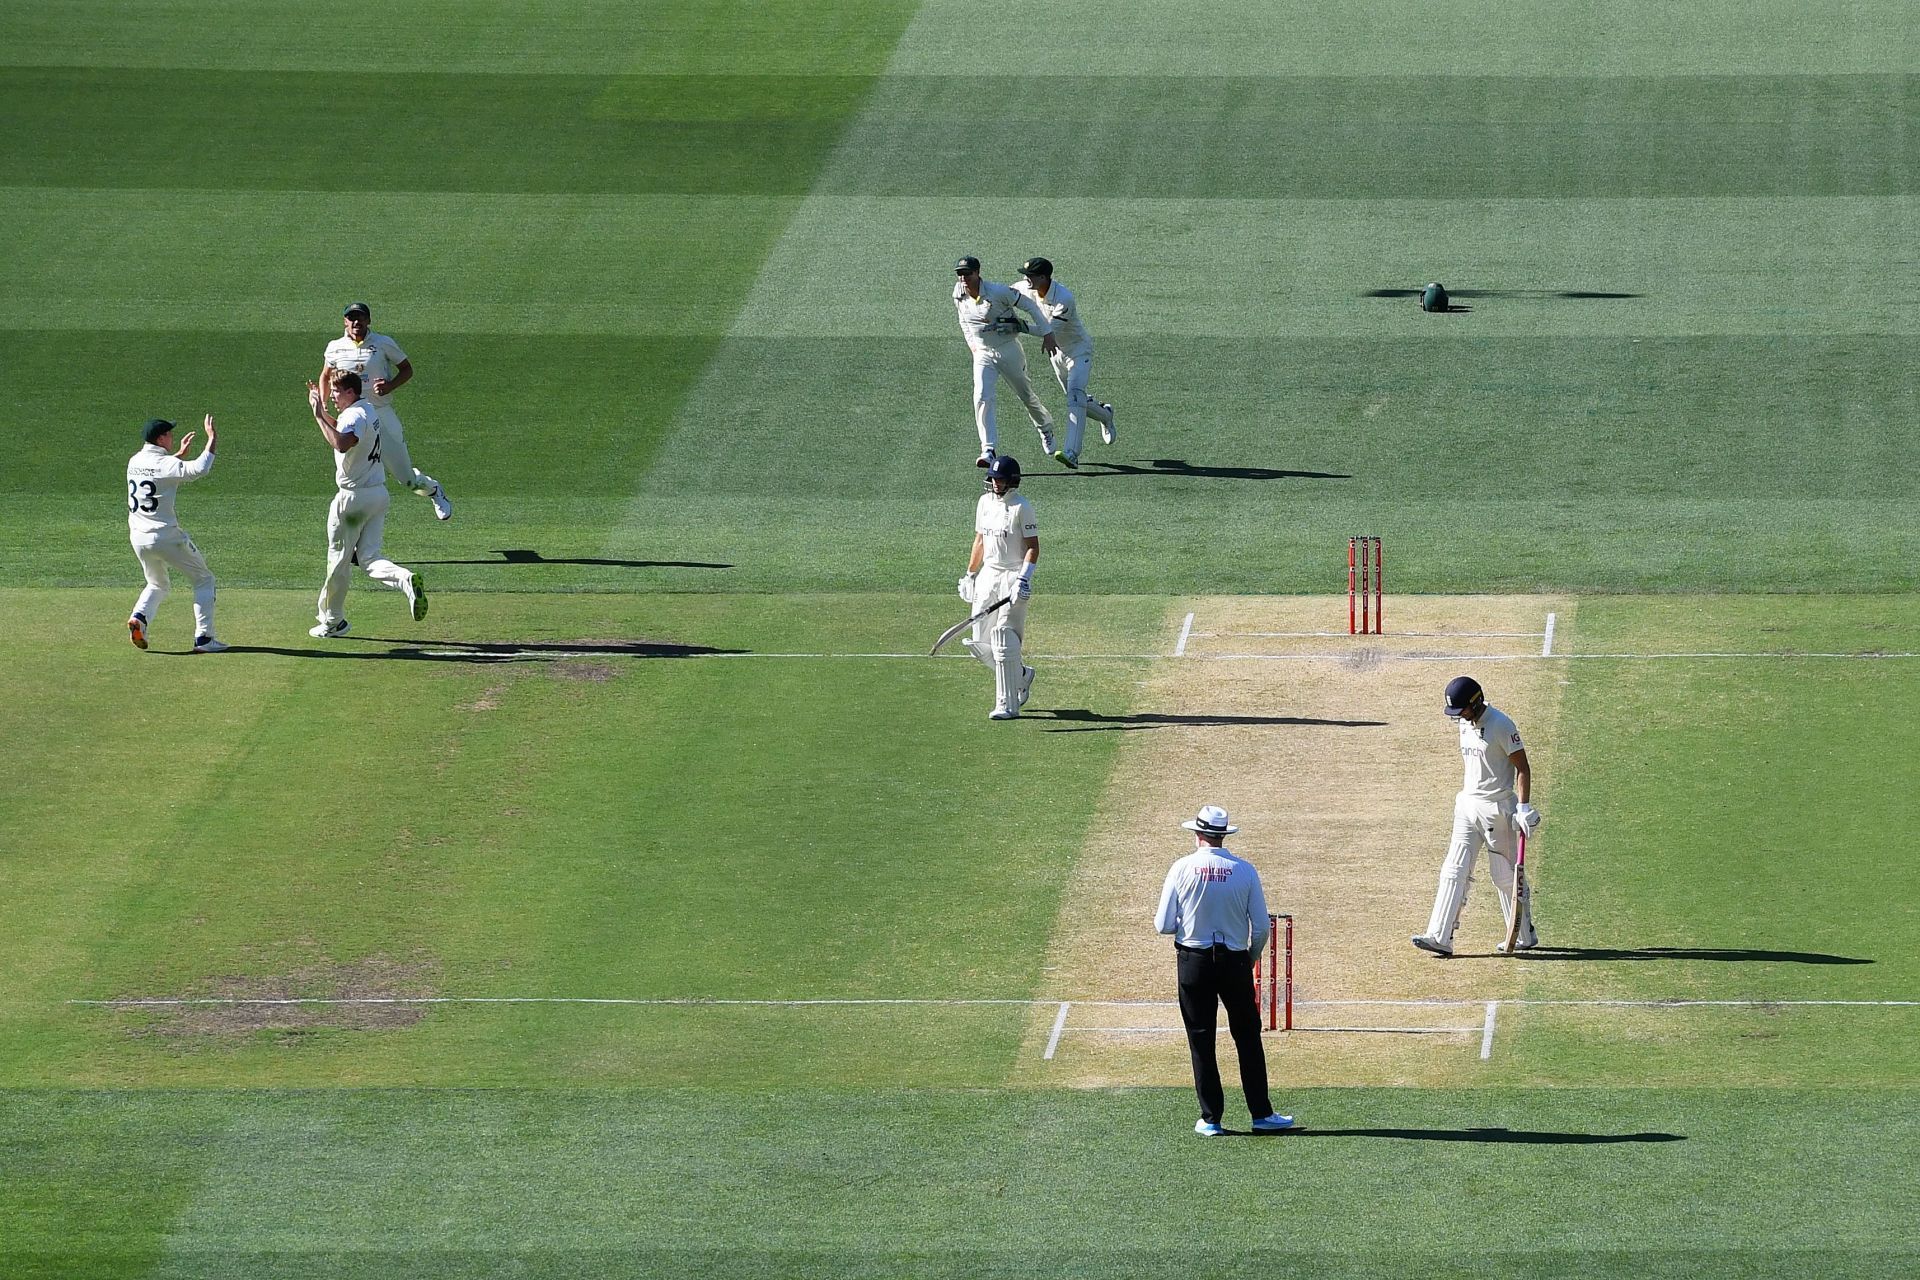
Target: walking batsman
[
  {"x": 358, "y": 517},
  {"x": 991, "y": 323},
  {"x": 1006, "y": 547},
  {"x": 1485, "y": 812},
  {"x": 1214, "y": 907},
  {"x": 154, "y": 477},
  {"x": 383, "y": 368},
  {"x": 1072, "y": 357}
]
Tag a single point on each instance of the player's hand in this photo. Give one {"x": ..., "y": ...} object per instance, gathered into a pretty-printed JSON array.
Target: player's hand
[
  {"x": 966, "y": 587},
  {"x": 210, "y": 432},
  {"x": 1527, "y": 818},
  {"x": 186, "y": 443},
  {"x": 382, "y": 385},
  {"x": 313, "y": 393},
  {"x": 1050, "y": 345},
  {"x": 1022, "y": 588}
]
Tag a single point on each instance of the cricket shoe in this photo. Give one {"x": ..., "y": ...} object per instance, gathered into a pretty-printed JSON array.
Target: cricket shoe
[
  {"x": 416, "y": 593},
  {"x": 207, "y": 644},
  {"x": 986, "y": 458},
  {"x": 1071, "y": 461},
  {"x": 1002, "y": 713},
  {"x": 1207, "y": 1129},
  {"x": 1026, "y": 684},
  {"x": 137, "y": 631},
  {"x": 1046, "y": 443},
  {"x": 1108, "y": 434},
  {"x": 1500, "y": 948},
  {"x": 1434, "y": 945},
  {"x": 327, "y": 630},
  {"x": 1275, "y": 1123},
  {"x": 442, "y": 509}
]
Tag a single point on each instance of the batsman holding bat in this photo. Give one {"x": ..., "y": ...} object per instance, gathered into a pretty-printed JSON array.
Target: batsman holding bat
[
  {"x": 1492, "y": 809},
  {"x": 1006, "y": 547}
]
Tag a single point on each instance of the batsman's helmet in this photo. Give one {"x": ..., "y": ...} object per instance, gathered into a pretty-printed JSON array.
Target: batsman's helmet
[
  {"x": 1037, "y": 267},
  {"x": 1004, "y": 468},
  {"x": 1463, "y": 696}
]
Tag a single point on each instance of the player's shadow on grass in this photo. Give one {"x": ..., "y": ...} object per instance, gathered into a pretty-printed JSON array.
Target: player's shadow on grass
[
  {"x": 482, "y": 653},
  {"x": 1524, "y": 1137},
  {"x": 1688, "y": 953},
  {"x": 1572, "y": 295},
  {"x": 1086, "y": 721},
  {"x": 1182, "y": 468},
  {"x": 524, "y": 556}
]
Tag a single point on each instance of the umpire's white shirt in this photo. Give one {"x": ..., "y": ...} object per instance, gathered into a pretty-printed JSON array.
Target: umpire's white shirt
[
  {"x": 359, "y": 468},
  {"x": 1211, "y": 897},
  {"x": 1063, "y": 313},
  {"x": 1487, "y": 748},
  {"x": 378, "y": 357},
  {"x": 154, "y": 476},
  {"x": 1003, "y": 525},
  {"x": 996, "y": 303}
]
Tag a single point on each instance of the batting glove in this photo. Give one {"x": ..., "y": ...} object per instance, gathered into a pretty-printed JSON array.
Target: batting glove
[
  {"x": 1022, "y": 588},
  {"x": 966, "y": 587},
  {"x": 1527, "y": 818}
]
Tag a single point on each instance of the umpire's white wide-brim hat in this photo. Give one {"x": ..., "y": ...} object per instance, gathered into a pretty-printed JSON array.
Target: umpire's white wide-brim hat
[{"x": 1210, "y": 821}]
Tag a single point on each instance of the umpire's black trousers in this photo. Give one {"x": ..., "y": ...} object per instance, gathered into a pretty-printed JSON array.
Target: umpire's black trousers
[{"x": 1210, "y": 977}]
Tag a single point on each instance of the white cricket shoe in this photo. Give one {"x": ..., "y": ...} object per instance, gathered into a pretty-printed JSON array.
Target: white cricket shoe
[
  {"x": 326, "y": 630},
  {"x": 1207, "y": 1129},
  {"x": 416, "y": 593},
  {"x": 442, "y": 509},
  {"x": 1500, "y": 948},
  {"x": 137, "y": 631},
  {"x": 1002, "y": 713},
  {"x": 1046, "y": 442},
  {"x": 207, "y": 644},
  {"x": 1026, "y": 684},
  {"x": 1108, "y": 433},
  {"x": 1274, "y": 1123},
  {"x": 1434, "y": 945},
  {"x": 986, "y": 458}
]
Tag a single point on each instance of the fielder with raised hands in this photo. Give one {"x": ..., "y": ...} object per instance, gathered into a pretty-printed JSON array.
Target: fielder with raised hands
[
  {"x": 154, "y": 477},
  {"x": 1006, "y": 547},
  {"x": 357, "y": 520},
  {"x": 1071, "y": 356},
  {"x": 990, "y": 321},
  {"x": 1493, "y": 808}
]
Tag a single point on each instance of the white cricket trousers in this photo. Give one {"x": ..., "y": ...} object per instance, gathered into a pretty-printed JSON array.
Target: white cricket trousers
[
  {"x": 1073, "y": 369},
  {"x": 393, "y": 452},
  {"x": 1479, "y": 821},
  {"x": 174, "y": 549},
  {"x": 990, "y": 364},
  {"x": 998, "y": 636},
  {"x": 355, "y": 524}
]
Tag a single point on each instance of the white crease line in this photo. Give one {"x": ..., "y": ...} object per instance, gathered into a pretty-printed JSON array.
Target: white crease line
[
  {"x": 1328, "y": 635},
  {"x": 514, "y": 655},
  {"x": 1410, "y": 1031},
  {"x": 1486, "y": 1035},
  {"x": 1059, "y": 1025},
  {"x": 1180, "y": 650},
  {"x": 1546, "y": 645}
]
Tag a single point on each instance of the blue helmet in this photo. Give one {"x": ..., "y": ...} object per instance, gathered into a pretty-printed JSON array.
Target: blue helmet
[{"x": 1004, "y": 468}]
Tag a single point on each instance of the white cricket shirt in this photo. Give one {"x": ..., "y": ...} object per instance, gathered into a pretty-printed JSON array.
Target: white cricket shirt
[
  {"x": 1003, "y": 524},
  {"x": 359, "y": 467},
  {"x": 1488, "y": 748},
  {"x": 1212, "y": 896},
  {"x": 378, "y": 357},
  {"x": 996, "y": 302},
  {"x": 153, "y": 477},
  {"x": 1063, "y": 313}
]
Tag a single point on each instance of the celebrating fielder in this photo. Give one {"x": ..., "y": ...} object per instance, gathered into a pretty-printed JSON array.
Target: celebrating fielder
[
  {"x": 1006, "y": 547},
  {"x": 991, "y": 323},
  {"x": 154, "y": 477},
  {"x": 358, "y": 516},
  {"x": 1071, "y": 356},
  {"x": 383, "y": 368},
  {"x": 1484, "y": 812}
]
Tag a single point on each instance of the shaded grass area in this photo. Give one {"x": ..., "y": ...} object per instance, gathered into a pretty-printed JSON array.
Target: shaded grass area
[{"x": 951, "y": 1183}]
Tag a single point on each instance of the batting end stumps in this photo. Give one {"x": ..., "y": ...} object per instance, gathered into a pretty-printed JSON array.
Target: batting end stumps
[
  {"x": 1366, "y": 579},
  {"x": 1273, "y": 975}
]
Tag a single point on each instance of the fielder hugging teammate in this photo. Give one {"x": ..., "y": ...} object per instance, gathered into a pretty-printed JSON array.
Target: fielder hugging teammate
[
  {"x": 990, "y": 322},
  {"x": 1071, "y": 356},
  {"x": 1006, "y": 547}
]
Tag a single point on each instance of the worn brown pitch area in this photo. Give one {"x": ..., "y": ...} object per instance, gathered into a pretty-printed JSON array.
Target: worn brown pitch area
[{"x": 1331, "y": 754}]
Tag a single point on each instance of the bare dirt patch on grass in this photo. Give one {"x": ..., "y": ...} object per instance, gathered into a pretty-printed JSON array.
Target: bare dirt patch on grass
[
  {"x": 1332, "y": 756},
  {"x": 322, "y": 996}
]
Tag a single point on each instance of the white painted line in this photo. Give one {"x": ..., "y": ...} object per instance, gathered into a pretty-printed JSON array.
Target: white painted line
[
  {"x": 1546, "y": 645},
  {"x": 1180, "y": 650},
  {"x": 1410, "y": 1031},
  {"x": 1486, "y": 1035},
  {"x": 1059, "y": 1025},
  {"x": 1320, "y": 635},
  {"x": 1346, "y": 655},
  {"x": 722, "y": 1002}
]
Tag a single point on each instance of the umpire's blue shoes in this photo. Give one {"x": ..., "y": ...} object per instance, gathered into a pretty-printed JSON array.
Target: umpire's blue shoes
[
  {"x": 1273, "y": 1123},
  {"x": 1207, "y": 1129}
]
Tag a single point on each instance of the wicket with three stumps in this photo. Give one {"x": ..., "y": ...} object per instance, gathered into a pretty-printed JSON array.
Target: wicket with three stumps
[
  {"x": 1366, "y": 579},
  {"x": 1273, "y": 975}
]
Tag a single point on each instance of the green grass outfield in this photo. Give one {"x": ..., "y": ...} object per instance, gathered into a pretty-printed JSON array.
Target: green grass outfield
[{"x": 675, "y": 278}]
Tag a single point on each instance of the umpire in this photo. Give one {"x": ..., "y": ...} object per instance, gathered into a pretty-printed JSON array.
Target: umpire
[{"x": 1216, "y": 911}]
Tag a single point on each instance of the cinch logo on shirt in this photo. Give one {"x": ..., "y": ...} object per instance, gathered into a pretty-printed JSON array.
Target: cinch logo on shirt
[{"x": 1216, "y": 873}]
